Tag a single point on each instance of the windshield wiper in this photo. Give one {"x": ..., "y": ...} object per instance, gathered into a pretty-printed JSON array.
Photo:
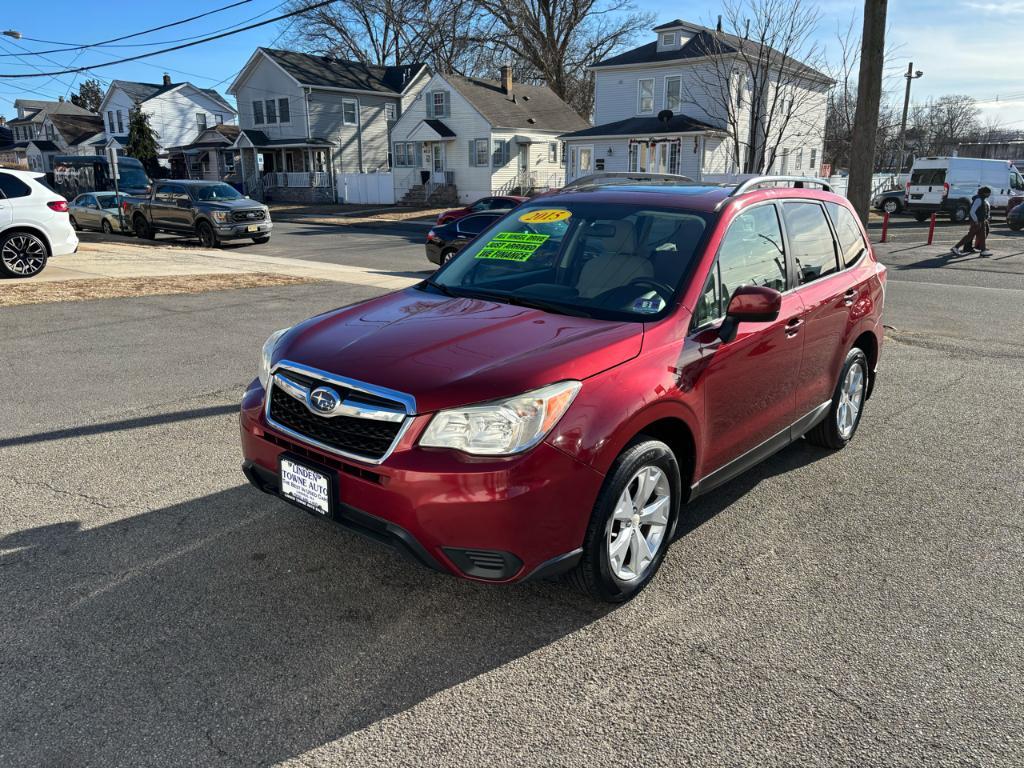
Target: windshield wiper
[
  {"x": 554, "y": 307},
  {"x": 442, "y": 288}
]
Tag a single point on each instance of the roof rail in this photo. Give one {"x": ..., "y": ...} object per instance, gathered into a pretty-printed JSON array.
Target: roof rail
[
  {"x": 797, "y": 182},
  {"x": 624, "y": 177}
]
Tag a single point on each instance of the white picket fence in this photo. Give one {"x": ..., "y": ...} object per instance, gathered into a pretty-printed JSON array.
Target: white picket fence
[{"x": 366, "y": 188}]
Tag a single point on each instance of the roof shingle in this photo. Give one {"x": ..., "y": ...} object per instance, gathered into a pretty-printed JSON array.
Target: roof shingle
[
  {"x": 336, "y": 73},
  {"x": 530, "y": 106}
]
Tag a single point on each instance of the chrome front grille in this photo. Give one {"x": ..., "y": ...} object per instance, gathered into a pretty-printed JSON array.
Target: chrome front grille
[{"x": 365, "y": 422}]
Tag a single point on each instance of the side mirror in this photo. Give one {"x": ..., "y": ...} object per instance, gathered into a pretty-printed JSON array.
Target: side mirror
[{"x": 750, "y": 304}]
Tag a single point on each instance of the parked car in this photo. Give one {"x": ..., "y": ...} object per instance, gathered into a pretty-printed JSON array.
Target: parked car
[
  {"x": 211, "y": 210},
  {"x": 443, "y": 242},
  {"x": 34, "y": 224},
  {"x": 549, "y": 398},
  {"x": 100, "y": 211},
  {"x": 74, "y": 175},
  {"x": 947, "y": 185},
  {"x": 1015, "y": 216},
  {"x": 501, "y": 203},
  {"x": 891, "y": 201}
]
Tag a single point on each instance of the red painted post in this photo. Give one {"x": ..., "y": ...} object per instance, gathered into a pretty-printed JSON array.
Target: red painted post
[
  {"x": 885, "y": 226},
  {"x": 931, "y": 230}
]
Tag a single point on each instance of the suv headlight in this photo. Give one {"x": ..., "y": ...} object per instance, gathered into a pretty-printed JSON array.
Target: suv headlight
[
  {"x": 221, "y": 217},
  {"x": 503, "y": 427},
  {"x": 266, "y": 357}
]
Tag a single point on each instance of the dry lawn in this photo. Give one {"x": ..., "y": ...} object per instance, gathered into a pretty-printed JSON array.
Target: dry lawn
[{"x": 13, "y": 292}]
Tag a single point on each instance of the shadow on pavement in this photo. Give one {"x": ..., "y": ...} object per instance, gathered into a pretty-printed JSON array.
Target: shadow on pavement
[{"x": 234, "y": 629}]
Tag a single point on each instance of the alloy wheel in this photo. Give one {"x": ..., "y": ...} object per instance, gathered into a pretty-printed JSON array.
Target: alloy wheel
[
  {"x": 891, "y": 206},
  {"x": 23, "y": 254},
  {"x": 639, "y": 523},
  {"x": 851, "y": 399}
]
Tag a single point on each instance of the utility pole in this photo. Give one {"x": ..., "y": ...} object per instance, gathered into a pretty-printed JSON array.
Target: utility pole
[
  {"x": 869, "y": 95},
  {"x": 911, "y": 77}
]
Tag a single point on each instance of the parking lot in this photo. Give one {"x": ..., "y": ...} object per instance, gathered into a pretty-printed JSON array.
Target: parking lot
[{"x": 857, "y": 608}]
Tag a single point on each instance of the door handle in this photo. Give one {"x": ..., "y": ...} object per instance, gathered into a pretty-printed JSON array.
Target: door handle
[
  {"x": 793, "y": 326},
  {"x": 849, "y": 297}
]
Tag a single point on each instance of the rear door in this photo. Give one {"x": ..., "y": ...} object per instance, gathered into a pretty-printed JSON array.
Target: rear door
[
  {"x": 748, "y": 382},
  {"x": 6, "y": 207},
  {"x": 927, "y": 186},
  {"x": 160, "y": 205},
  {"x": 831, "y": 287}
]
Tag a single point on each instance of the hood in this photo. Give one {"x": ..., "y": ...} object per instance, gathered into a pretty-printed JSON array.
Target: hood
[
  {"x": 242, "y": 202},
  {"x": 447, "y": 352}
]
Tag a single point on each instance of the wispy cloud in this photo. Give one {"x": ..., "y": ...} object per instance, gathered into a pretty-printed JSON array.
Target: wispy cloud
[{"x": 1010, "y": 8}]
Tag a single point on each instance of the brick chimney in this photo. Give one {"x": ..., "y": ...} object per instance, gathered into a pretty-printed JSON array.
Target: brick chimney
[
  {"x": 167, "y": 80},
  {"x": 506, "y": 79}
]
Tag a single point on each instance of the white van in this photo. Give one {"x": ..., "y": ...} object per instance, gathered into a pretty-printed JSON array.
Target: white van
[{"x": 948, "y": 184}]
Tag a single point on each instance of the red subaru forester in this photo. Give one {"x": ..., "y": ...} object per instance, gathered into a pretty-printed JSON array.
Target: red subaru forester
[{"x": 548, "y": 400}]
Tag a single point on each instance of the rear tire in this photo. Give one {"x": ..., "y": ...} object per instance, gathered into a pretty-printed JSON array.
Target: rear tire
[
  {"x": 891, "y": 206},
  {"x": 637, "y": 508},
  {"x": 22, "y": 254},
  {"x": 447, "y": 256},
  {"x": 843, "y": 418},
  {"x": 142, "y": 228},
  {"x": 74, "y": 224},
  {"x": 959, "y": 214}
]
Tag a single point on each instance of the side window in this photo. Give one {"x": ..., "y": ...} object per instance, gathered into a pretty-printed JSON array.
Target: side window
[
  {"x": 751, "y": 253},
  {"x": 11, "y": 186},
  {"x": 851, "y": 241},
  {"x": 474, "y": 225},
  {"x": 814, "y": 251},
  {"x": 164, "y": 193},
  {"x": 481, "y": 205}
]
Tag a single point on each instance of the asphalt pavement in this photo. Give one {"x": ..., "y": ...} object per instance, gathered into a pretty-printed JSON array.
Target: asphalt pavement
[{"x": 836, "y": 609}]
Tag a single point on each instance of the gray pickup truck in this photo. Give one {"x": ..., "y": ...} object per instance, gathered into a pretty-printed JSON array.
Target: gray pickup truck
[{"x": 211, "y": 210}]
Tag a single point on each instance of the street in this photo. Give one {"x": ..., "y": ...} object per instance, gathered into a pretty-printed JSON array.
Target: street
[{"x": 853, "y": 608}]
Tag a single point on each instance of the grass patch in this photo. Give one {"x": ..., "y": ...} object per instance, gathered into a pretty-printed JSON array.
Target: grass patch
[{"x": 14, "y": 293}]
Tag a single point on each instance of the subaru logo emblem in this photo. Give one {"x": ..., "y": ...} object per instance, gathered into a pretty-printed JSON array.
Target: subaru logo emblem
[{"x": 324, "y": 399}]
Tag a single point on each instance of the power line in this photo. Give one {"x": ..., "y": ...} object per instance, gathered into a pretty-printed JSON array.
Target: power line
[
  {"x": 75, "y": 46},
  {"x": 288, "y": 15}
]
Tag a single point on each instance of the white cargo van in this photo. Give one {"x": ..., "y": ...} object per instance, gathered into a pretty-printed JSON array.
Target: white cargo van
[{"x": 947, "y": 184}]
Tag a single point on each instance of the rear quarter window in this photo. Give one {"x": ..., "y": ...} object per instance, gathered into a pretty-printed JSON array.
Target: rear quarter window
[
  {"x": 810, "y": 240},
  {"x": 851, "y": 241},
  {"x": 11, "y": 186}
]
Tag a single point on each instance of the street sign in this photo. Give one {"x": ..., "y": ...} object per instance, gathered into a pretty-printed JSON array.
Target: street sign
[{"x": 112, "y": 160}]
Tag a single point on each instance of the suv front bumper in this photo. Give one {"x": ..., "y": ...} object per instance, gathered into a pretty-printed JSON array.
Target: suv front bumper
[
  {"x": 239, "y": 231},
  {"x": 495, "y": 520}
]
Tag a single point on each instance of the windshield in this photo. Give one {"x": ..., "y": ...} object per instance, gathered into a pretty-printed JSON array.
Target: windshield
[
  {"x": 109, "y": 200},
  {"x": 215, "y": 192},
  {"x": 132, "y": 178},
  {"x": 622, "y": 262}
]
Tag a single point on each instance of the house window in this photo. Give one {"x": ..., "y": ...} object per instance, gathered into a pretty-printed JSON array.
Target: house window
[
  {"x": 674, "y": 93},
  {"x": 228, "y": 161},
  {"x": 218, "y": 118},
  {"x": 478, "y": 152},
  {"x": 799, "y": 164},
  {"x": 350, "y": 112},
  {"x": 405, "y": 153},
  {"x": 553, "y": 152},
  {"x": 500, "y": 153},
  {"x": 668, "y": 38},
  {"x": 110, "y": 120},
  {"x": 439, "y": 103},
  {"x": 257, "y": 113},
  {"x": 120, "y": 125},
  {"x": 673, "y": 157},
  {"x": 814, "y": 159},
  {"x": 390, "y": 112},
  {"x": 284, "y": 114},
  {"x": 645, "y": 95},
  {"x": 201, "y": 120},
  {"x": 271, "y": 106}
]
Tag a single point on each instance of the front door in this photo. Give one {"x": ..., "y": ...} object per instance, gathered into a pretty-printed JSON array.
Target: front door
[
  {"x": 437, "y": 162},
  {"x": 524, "y": 167},
  {"x": 749, "y": 382},
  {"x": 581, "y": 161}
]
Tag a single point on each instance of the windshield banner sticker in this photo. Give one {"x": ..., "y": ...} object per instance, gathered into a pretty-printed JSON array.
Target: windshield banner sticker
[
  {"x": 512, "y": 246},
  {"x": 545, "y": 216}
]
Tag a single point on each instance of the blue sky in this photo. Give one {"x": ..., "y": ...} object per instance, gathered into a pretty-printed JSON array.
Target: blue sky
[{"x": 957, "y": 45}]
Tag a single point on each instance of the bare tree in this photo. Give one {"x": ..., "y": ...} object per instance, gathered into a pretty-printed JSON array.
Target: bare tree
[
  {"x": 763, "y": 78},
  {"x": 556, "y": 40}
]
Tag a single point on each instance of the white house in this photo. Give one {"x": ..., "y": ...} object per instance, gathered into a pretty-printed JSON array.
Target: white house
[
  {"x": 466, "y": 138},
  {"x": 35, "y": 137},
  {"x": 178, "y": 112},
  {"x": 674, "y": 104},
  {"x": 63, "y": 134},
  {"x": 305, "y": 118}
]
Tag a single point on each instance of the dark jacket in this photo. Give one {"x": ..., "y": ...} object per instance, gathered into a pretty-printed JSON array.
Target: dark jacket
[{"x": 983, "y": 211}]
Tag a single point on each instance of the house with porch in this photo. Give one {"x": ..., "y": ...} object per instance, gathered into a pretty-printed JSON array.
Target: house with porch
[
  {"x": 178, "y": 112},
  {"x": 210, "y": 156},
  {"x": 676, "y": 104},
  {"x": 33, "y": 125},
  {"x": 64, "y": 134},
  {"x": 465, "y": 138},
  {"x": 305, "y": 119}
]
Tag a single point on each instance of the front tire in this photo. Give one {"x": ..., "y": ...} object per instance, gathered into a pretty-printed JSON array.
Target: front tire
[
  {"x": 892, "y": 206},
  {"x": 261, "y": 240},
  {"x": 22, "y": 254},
  {"x": 631, "y": 523},
  {"x": 919, "y": 217},
  {"x": 959, "y": 214},
  {"x": 106, "y": 228},
  {"x": 207, "y": 237},
  {"x": 840, "y": 425}
]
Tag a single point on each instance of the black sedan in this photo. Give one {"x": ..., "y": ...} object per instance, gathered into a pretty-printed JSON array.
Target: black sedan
[
  {"x": 445, "y": 241},
  {"x": 891, "y": 201},
  {"x": 1015, "y": 216}
]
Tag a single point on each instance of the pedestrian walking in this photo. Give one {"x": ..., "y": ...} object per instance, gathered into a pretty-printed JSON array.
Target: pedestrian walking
[{"x": 981, "y": 214}]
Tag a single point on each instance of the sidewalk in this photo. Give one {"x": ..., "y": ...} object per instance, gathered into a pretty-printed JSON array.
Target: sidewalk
[{"x": 353, "y": 214}]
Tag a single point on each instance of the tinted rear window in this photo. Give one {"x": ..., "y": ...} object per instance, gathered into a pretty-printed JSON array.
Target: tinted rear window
[
  {"x": 928, "y": 177},
  {"x": 12, "y": 186}
]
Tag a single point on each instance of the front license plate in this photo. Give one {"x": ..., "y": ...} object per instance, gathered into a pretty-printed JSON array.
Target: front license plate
[
  {"x": 306, "y": 486},
  {"x": 253, "y": 228}
]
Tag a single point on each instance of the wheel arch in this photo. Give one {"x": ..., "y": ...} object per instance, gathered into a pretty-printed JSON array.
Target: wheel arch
[
  {"x": 868, "y": 342},
  {"x": 678, "y": 436},
  {"x": 29, "y": 229}
]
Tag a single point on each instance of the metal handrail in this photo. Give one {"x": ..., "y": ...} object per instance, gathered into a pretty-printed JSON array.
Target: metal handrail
[
  {"x": 624, "y": 177},
  {"x": 795, "y": 181}
]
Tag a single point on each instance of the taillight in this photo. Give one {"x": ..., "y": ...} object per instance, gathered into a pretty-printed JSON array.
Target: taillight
[
  {"x": 60, "y": 206},
  {"x": 432, "y": 238},
  {"x": 945, "y": 189}
]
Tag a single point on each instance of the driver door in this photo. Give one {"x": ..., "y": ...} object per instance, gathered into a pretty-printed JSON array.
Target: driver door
[{"x": 748, "y": 383}]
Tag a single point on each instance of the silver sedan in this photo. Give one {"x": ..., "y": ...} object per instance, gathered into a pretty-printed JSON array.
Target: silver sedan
[{"x": 97, "y": 210}]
